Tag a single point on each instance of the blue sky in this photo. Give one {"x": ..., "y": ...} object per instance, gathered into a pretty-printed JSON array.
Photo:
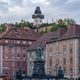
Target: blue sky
[{"x": 15, "y": 10}]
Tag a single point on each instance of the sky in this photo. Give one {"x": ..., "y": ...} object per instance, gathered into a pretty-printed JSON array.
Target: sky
[{"x": 12, "y": 11}]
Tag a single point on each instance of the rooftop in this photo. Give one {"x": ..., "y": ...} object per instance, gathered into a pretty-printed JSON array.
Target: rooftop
[{"x": 72, "y": 31}]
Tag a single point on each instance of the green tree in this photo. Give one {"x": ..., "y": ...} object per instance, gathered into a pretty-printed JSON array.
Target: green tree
[
  {"x": 23, "y": 24},
  {"x": 68, "y": 21},
  {"x": 61, "y": 23},
  {"x": 2, "y": 28},
  {"x": 54, "y": 27}
]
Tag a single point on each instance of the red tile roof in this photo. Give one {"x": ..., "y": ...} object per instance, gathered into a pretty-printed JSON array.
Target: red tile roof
[
  {"x": 14, "y": 33},
  {"x": 72, "y": 31},
  {"x": 41, "y": 42}
]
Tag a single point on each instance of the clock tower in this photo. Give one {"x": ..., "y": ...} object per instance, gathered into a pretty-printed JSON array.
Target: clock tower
[{"x": 37, "y": 16}]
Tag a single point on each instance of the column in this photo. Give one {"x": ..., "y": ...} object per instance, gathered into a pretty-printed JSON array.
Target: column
[{"x": 76, "y": 52}]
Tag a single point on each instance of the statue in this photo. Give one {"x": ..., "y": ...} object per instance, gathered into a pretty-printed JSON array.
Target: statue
[
  {"x": 60, "y": 73},
  {"x": 38, "y": 70},
  {"x": 38, "y": 53}
]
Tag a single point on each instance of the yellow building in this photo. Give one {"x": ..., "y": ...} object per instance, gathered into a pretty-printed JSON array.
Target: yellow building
[{"x": 63, "y": 51}]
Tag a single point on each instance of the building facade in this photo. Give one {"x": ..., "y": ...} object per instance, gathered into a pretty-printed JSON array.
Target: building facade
[
  {"x": 41, "y": 42},
  {"x": 14, "y": 44},
  {"x": 64, "y": 51},
  {"x": 61, "y": 49}
]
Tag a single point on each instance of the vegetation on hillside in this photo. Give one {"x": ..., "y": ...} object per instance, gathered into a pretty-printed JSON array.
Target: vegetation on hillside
[
  {"x": 2, "y": 28},
  {"x": 54, "y": 26},
  {"x": 23, "y": 24},
  {"x": 61, "y": 24}
]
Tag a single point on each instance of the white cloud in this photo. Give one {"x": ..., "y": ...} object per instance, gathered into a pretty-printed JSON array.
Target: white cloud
[
  {"x": 17, "y": 10},
  {"x": 23, "y": 9},
  {"x": 70, "y": 1},
  {"x": 45, "y": 2}
]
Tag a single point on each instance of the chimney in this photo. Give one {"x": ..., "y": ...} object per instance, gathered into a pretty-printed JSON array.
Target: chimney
[{"x": 61, "y": 31}]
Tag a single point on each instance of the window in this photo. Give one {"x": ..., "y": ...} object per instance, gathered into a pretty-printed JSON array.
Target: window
[
  {"x": 24, "y": 48},
  {"x": 24, "y": 56},
  {"x": 30, "y": 42},
  {"x": 6, "y": 52},
  {"x": 18, "y": 55},
  {"x": 50, "y": 62},
  {"x": 6, "y": 41},
  {"x": 12, "y": 41},
  {"x": 23, "y": 72},
  {"x": 18, "y": 42},
  {"x": 71, "y": 70},
  {"x": 71, "y": 50},
  {"x": 18, "y": 63},
  {"x": 57, "y": 52},
  {"x": 64, "y": 70},
  {"x": 5, "y": 72},
  {"x": 64, "y": 55},
  {"x": 64, "y": 52},
  {"x": 64, "y": 60},
  {"x": 24, "y": 42},
  {"x": 18, "y": 49},
  {"x": 12, "y": 63},
  {"x": 71, "y": 60},
  {"x": 23, "y": 64},
  {"x": 6, "y": 64},
  {"x": 12, "y": 53},
  {"x": 51, "y": 53}
]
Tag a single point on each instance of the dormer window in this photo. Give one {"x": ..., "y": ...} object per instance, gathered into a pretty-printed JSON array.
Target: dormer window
[
  {"x": 30, "y": 42},
  {"x": 24, "y": 42},
  {"x": 12, "y": 41},
  {"x": 18, "y": 42},
  {"x": 6, "y": 41}
]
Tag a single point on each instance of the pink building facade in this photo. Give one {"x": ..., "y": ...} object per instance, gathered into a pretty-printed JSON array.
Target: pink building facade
[{"x": 13, "y": 50}]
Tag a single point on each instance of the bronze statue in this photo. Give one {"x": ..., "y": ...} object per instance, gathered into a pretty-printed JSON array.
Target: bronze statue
[{"x": 38, "y": 53}]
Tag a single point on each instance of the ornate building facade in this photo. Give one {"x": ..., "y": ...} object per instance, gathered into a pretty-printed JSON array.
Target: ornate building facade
[
  {"x": 63, "y": 50},
  {"x": 13, "y": 50}
]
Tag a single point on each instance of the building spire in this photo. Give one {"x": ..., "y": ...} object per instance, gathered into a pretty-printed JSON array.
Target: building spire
[{"x": 37, "y": 11}]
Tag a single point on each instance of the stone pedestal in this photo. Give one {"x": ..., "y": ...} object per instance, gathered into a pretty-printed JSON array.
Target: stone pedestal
[{"x": 38, "y": 70}]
